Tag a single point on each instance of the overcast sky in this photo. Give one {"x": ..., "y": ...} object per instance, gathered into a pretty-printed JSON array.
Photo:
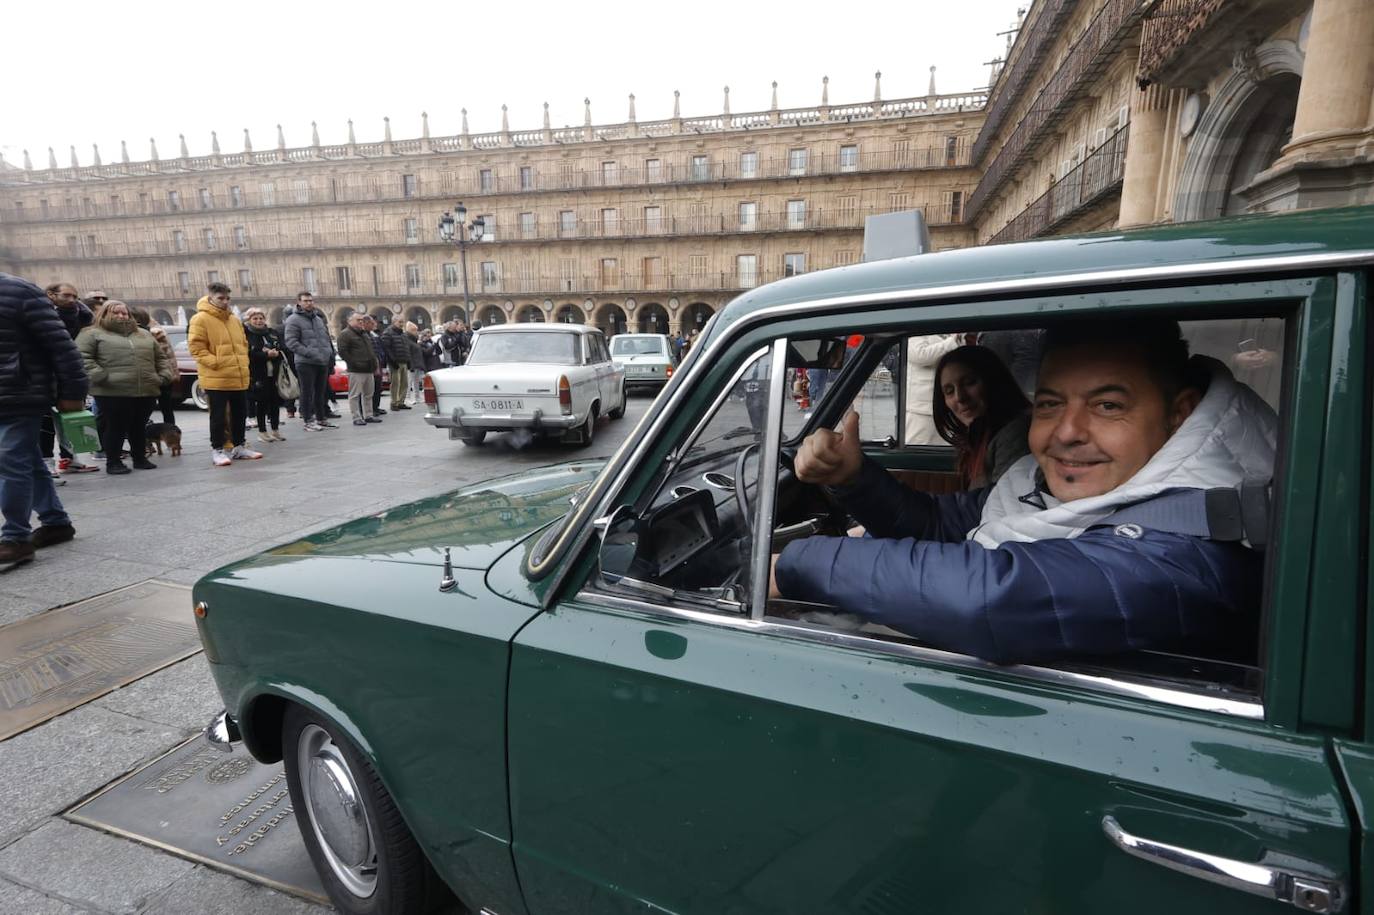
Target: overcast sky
[{"x": 85, "y": 72}]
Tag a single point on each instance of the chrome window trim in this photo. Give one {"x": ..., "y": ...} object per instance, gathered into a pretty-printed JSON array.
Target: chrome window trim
[
  {"x": 766, "y": 496},
  {"x": 620, "y": 465},
  {"x": 1248, "y": 710}
]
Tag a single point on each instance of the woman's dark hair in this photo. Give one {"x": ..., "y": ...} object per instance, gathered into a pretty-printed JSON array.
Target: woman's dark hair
[
  {"x": 1005, "y": 401},
  {"x": 140, "y": 315}
]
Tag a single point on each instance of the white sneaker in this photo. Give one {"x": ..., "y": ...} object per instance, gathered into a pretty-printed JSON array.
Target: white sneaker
[
  {"x": 313, "y": 427},
  {"x": 244, "y": 453},
  {"x": 219, "y": 458},
  {"x": 266, "y": 437},
  {"x": 276, "y": 434}
]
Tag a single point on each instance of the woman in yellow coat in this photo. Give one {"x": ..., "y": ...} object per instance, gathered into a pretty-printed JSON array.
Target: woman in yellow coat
[{"x": 216, "y": 339}]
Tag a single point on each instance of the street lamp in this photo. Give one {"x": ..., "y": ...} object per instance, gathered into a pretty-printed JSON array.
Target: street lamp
[{"x": 453, "y": 228}]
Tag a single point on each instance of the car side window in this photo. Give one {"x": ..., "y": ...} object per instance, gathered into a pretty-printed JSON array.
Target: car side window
[{"x": 691, "y": 538}]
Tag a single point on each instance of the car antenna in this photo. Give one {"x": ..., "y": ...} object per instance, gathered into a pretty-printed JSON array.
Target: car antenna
[{"x": 448, "y": 582}]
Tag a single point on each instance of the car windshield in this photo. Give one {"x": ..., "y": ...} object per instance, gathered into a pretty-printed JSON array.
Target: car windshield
[
  {"x": 636, "y": 346},
  {"x": 552, "y": 347}
]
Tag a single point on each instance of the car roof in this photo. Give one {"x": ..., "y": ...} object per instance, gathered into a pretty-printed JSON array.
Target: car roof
[
  {"x": 535, "y": 326},
  {"x": 1190, "y": 246},
  {"x": 655, "y": 336}
]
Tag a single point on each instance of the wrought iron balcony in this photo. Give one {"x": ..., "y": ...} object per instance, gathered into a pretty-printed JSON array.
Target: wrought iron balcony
[
  {"x": 1181, "y": 40},
  {"x": 1094, "y": 179},
  {"x": 1085, "y": 60}
]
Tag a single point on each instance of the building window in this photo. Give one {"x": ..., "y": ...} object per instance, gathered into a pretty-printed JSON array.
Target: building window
[
  {"x": 245, "y": 280},
  {"x": 748, "y": 216},
  {"x": 208, "y": 235},
  {"x": 653, "y": 273},
  {"x": 87, "y": 206},
  {"x": 73, "y": 246},
  {"x": 206, "y": 201},
  {"x": 956, "y": 206},
  {"x": 116, "y": 205},
  {"x": 567, "y": 174},
  {"x": 844, "y": 258},
  {"x": 235, "y": 196},
  {"x": 308, "y": 280},
  {"x": 696, "y": 267},
  {"x": 142, "y": 203},
  {"x": 91, "y": 250},
  {"x": 901, "y": 153},
  {"x": 178, "y": 241},
  {"x": 240, "y": 237},
  {"x": 749, "y": 165},
  {"x": 567, "y": 273},
  {"x": 527, "y": 226},
  {"x": 184, "y": 282},
  {"x": 653, "y": 220},
  {"x": 485, "y": 181},
  {"x": 848, "y": 208},
  {"x": 451, "y": 278},
  {"x": 491, "y": 282},
  {"x": 567, "y": 224},
  {"x": 300, "y": 190},
  {"x": 701, "y": 168},
  {"x": 174, "y": 201},
  {"x": 412, "y": 230},
  {"x": 951, "y": 150},
  {"x": 796, "y": 162},
  {"x": 212, "y": 276},
  {"x": 849, "y": 158},
  {"x": 653, "y": 171},
  {"x": 793, "y": 264},
  {"x": 526, "y": 272},
  {"x": 412, "y": 277},
  {"x": 526, "y": 178},
  {"x": 610, "y": 222},
  {"x": 343, "y": 278},
  {"x": 796, "y": 214},
  {"x": 407, "y": 185},
  {"x": 610, "y": 173},
  {"x": 747, "y": 271},
  {"x": 610, "y": 273},
  {"x": 42, "y": 206},
  {"x": 488, "y": 227},
  {"x": 898, "y": 202},
  {"x": 267, "y": 193}
]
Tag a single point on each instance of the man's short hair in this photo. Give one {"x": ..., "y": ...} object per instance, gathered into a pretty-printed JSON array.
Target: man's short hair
[
  {"x": 303, "y": 295},
  {"x": 1160, "y": 339},
  {"x": 55, "y": 288},
  {"x": 218, "y": 288}
]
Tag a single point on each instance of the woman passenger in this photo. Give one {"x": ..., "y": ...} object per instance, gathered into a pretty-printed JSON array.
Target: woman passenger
[
  {"x": 127, "y": 371},
  {"x": 980, "y": 410},
  {"x": 265, "y": 354}
]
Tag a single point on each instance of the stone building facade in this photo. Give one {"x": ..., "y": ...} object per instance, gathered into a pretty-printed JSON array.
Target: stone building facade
[{"x": 635, "y": 225}]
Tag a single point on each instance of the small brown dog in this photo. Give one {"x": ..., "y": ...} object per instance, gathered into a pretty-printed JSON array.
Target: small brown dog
[{"x": 159, "y": 434}]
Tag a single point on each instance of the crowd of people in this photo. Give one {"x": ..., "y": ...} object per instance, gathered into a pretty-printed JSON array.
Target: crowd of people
[{"x": 61, "y": 353}]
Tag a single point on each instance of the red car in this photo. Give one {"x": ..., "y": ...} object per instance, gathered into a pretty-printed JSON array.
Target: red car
[{"x": 338, "y": 379}]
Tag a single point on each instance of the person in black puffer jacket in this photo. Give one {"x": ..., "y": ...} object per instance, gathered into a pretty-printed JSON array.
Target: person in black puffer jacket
[{"x": 39, "y": 364}]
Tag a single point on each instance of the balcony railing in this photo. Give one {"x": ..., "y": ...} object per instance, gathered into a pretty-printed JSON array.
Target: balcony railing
[
  {"x": 764, "y": 222},
  {"x": 893, "y": 109},
  {"x": 1095, "y": 178},
  {"x": 1034, "y": 41},
  {"x": 450, "y": 185},
  {"x": 1169, "y": 28},
  {"x": 519, "y": 290},
  {"x": 1085, "y": 60}
]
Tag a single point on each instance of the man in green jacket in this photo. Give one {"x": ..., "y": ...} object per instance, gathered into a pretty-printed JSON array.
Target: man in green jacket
[{"x": 355, "y": 349}]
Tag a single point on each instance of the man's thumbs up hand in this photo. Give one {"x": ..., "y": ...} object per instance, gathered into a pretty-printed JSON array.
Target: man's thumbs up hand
[{"x": 831, "y": 458}]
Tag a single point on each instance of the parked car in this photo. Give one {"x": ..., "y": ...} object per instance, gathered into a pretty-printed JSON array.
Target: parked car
[
  {"x": 555, "y": 379},
  {"x": 646, "y": 358},
  {"x": 187, "y": 386},
  {"x": 338, "y": 378},
  {"x": 571, "y": 691}
]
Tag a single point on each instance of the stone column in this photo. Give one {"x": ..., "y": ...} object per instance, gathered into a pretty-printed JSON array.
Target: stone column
[
  {"x": 1334, "y": 103},
  {"x": 1145, "y": 156}
]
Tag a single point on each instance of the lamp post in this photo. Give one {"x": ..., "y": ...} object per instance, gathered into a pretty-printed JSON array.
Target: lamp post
[{"x": 453, "y": 227}]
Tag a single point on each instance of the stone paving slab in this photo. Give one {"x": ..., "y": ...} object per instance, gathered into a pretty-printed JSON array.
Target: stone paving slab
[
  {"x": 19, "y": 900},
  {"x": 208, "y": 892},
  {"x": 180, "y": 696}
]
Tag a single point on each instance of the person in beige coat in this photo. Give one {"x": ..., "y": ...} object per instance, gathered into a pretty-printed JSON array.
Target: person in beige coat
[{"x": 922, "y": 353}]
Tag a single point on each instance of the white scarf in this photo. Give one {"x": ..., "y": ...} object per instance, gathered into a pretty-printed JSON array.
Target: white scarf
[{"x": 1229, "y": 438}]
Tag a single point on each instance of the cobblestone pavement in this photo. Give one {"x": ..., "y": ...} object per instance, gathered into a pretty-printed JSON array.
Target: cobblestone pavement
[{"x": 176, "y": 523}]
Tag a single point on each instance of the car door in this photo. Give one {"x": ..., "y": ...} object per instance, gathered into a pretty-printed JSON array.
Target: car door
[
  {"x": 608, "y": 375},
  {"x": 670, "y": 758}
]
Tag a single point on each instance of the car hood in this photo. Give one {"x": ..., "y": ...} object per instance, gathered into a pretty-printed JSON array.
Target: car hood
[{"x": 476, "y": 523}]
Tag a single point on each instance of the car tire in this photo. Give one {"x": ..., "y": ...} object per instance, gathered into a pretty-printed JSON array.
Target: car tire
[
  {"x": 588, "y": 432},
  {"x": 366, "y": 857},
  {"x": 473, "y": 439},
  {"x": 199, "y": 397},
  {"x": 624, "y": 402}
]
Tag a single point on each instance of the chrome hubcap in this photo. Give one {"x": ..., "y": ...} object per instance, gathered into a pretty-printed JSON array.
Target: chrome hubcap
[{"x": 335, "y": 811}]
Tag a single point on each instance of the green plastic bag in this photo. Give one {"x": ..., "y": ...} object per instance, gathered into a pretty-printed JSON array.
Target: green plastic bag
[{"x": 78, "y": 428}]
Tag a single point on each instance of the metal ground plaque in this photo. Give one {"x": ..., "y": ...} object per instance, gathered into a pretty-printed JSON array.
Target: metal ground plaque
[
  {"x": 225, "y": 810},
  {"x": 55, "y": 661}
]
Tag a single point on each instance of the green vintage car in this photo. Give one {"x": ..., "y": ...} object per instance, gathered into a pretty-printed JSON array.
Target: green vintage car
[{"x": 568, "y": 690}]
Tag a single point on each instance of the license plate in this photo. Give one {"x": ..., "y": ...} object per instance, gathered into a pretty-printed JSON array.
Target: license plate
[
  {"x": 494, "y": 404},
  {"x": 642, "y": 369}
]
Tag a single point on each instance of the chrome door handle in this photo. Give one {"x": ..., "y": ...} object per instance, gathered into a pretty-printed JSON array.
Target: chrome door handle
[{"x": 1308, "y": 892}]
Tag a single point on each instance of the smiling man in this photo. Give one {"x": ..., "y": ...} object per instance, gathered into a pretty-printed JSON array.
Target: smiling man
[{"x": 1112, "y": 535}]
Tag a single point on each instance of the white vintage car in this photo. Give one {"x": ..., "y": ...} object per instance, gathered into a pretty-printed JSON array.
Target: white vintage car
[
  {"x": 549, "y": 378},
  {"x": 647, "y": 359}
]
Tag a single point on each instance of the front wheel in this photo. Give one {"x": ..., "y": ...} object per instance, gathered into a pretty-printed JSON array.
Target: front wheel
[
  {"x": 198, "y": 396},
  {"x": 366, "y": 857}
]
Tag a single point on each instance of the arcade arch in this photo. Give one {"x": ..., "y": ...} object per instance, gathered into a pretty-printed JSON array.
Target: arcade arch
[
  {"x": 652, "y": 318},
  {"x": 611, "y": 319},
  {"x": 531, "y": 314},
  {"x": 569, "y": 314}
]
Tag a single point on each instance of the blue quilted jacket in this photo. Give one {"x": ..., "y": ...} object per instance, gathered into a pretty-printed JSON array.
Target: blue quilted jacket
[
  {"x": 39, "y": 363},
  {"x": 1100, "y": 593}
]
